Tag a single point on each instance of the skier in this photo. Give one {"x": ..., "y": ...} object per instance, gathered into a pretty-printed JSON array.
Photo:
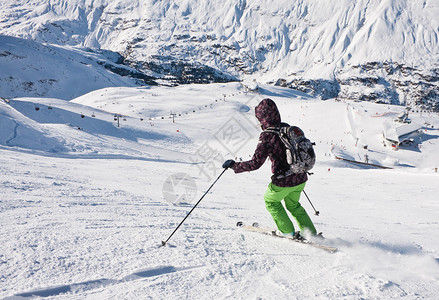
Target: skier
[{"x": 287, "y": 188}]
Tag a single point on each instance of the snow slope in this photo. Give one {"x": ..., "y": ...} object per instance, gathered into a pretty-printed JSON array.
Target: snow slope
[
  {"x": 30, "y": 68},
  {"x": 85, "y": 204},
  {"x": 33, "y": 69}
]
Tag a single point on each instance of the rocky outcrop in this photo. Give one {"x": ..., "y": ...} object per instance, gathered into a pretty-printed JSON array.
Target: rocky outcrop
[
  {"x": 380, "y": 82},
  {"x": 173, "y": 71}
]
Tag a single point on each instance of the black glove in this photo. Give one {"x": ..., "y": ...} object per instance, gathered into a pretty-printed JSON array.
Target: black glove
[{"x": 228, "y": 163}]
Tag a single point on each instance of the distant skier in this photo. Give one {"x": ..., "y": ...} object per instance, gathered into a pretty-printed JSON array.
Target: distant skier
[{"x": 287, "y": 188}]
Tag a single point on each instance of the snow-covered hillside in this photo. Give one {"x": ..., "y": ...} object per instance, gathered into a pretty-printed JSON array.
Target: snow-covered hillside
[
  {"x": 29, "y": 68},
  {"x": 384, "y": 51},
  {"x": 85, "y": 204}
]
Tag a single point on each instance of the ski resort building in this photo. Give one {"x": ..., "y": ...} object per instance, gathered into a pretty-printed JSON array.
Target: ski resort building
[{"x": 396, "y": 134}]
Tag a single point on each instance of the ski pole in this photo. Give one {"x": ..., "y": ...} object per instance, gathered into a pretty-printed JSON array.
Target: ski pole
[
  {"x": 316, "y": 211},
  {"x": 164, "y": 242}
]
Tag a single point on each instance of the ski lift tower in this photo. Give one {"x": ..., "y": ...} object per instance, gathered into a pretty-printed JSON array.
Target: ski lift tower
[
  {"x": 117, "y": 118},
  {"x": 173, "y": 116}
]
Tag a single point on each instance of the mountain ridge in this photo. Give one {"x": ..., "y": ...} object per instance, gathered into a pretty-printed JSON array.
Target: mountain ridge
[{"x": 301, "y": 41}]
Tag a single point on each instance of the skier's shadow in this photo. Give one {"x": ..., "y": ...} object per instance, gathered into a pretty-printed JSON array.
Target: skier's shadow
[{"x": 94, "y": 284}]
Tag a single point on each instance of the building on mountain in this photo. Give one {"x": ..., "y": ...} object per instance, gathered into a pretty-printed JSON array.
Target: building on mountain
[{"x": 394, "y": 135}]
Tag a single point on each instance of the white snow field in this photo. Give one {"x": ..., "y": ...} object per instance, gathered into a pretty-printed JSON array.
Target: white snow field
[
  {"x": 85, "y": 204},
  {"x": 29, "y": 68}
]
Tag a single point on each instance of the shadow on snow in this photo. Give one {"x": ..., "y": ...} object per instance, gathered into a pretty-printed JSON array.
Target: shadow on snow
[{"x": 94, "y": 284}]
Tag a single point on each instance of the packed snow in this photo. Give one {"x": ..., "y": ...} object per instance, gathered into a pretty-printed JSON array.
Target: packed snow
[{"x": 90, "y": 187}]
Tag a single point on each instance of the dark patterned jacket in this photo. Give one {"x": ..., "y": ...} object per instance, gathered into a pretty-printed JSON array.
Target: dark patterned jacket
[{"x": 271, "y": 146}]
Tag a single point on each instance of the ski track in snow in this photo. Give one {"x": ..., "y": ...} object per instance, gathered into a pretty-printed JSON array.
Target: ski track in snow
[{"x": 86, "y": 222}]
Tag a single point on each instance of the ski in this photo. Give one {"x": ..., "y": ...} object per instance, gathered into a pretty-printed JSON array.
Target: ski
[{"x": 255, "y": 228}]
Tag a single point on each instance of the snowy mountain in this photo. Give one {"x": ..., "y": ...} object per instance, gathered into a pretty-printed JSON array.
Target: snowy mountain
[
  {"x": 32, "y": 68},
  {"x": 381, "y": 51}
]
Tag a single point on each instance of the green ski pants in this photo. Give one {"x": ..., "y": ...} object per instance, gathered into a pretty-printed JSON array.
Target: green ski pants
[{"x": 273, "y": 197}]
